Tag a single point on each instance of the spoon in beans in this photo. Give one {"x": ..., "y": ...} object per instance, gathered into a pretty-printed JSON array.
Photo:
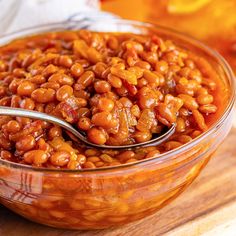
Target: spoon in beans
[{"x": 7, "y": 111}]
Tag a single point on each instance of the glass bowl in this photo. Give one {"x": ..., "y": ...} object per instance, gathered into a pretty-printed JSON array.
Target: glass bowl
[{"x": 112, "y": 196}]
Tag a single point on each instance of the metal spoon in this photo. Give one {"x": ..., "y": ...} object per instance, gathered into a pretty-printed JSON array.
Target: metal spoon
[{"x": 8, "y": 111}]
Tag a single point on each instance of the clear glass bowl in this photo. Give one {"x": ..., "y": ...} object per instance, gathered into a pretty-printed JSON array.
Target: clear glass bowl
[{"x": 112, "y": 196}]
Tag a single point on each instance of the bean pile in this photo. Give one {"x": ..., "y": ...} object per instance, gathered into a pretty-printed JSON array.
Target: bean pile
[{"x": 118, "y": 88}]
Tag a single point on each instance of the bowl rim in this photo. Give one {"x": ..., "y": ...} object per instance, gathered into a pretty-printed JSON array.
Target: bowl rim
[{"x": 164, "y": 156}]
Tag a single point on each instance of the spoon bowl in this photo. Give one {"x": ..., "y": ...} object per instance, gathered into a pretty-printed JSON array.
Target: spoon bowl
[{"x": 9, "y": 111}]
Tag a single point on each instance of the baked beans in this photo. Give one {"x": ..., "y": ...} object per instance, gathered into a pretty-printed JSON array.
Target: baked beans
[{"x": 117, "y": 88}]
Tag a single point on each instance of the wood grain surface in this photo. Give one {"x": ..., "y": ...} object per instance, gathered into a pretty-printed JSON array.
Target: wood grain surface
[{"x": 207, "y": 207}]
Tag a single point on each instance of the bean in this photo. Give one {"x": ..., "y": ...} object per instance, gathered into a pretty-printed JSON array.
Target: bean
[
  {"x": 150, "y": 57},
  {"x": 49, "y": 108},
  {"x": 196, "y": 75},
  {"x": 103, "y": 119},
  {"x": 165, "y": 115},
  {"x": 6, "y": 155},
  {"x": 81, "y": 158},
  {"x": 161, "y": 67},
  {"x": 123, "y": 92},
  {"x": 112, "y": 43},
  {"x": 86, "y": 79},
  {"x": 125, "y": 102},
  {"x": 60, "y": 158},
  {"x": 209, "y": 83},
  {"x": 203, "y": 99},
  {"x": 126, "y": 155},
  {"x": 152, "y": 154},
  {"x": 3, "y": 66},
  {"x": 93, "y": 159},
  {"x": 84, "y": 123},
  {"x": 102, "y": 86},
  {"x": 13, "y": 126},
  {"x": 106, "y": 158},
  {"x": 151, "y": 77},
  {"x": 94, "y": 56},
  {"x": 114, "y": 81},
  {"x": 64, "y": 92},
  {"x": 74, "y": 165},
  {"x": 54, "y": 132},
  {"x": 2, "y": 91},
  {"x": 6, "y": 101},
  {"x": 142, "y": 82},
  {"x": 99, "y": 164},
  {"x": 25, "y": 88},
  {"x": 91, "y": 152},
  {"x": 180, "y": 125},
  {"x": 27, "y": 103},
  {"x": 196, "y": 133},
  {"x": 26, "y": 143},
  {"x": 148, "y": 98},
  {"x": 61, "y": 78},
  {"x": 105, "y": 104},
  {"x": 189, "y": 102},
  {"x": 23, "y": 121},
  {"x": 43, "y": 95},
  {"x": 138, "y": 47},
  {"x": 184, "y": 138},
  {"x": 129, "y": 76},
  {"x": 77, "y": 69},
  {"x": 199, "y": 120},
  {"x": 49, "y": 70},
  {"x": 18, "y": 72},
  {"x": 83, "y": 112},
  {"x": 202, "y": 91},
  {"x": 135, "y": 110},
  {"x": 4, "y": 142},
  {"x": 190, "y": 63},
  {"x": 89, "y": 165},
  {"x": 143, "y": 65},
  {"x": 37, "y": 79},
  {"x": 141, "y": 137},
  {"x": 184, "y": 72},
  {"x": 65, "y": 61},
  {"x": 208, "y": 108},
  {"x": 172, "y": 145},
  {"x": 96, "y": 136},
  {"x": 139, "y": 72},
  {"x": 188, "y": 87},
  {"x": 119, "y": 66},
  {"x": 36, "y": 157},
  {"x": 39, "y": 107},
  {"x": 106, "y": 72},
  {"x": 52, "y": 85}
]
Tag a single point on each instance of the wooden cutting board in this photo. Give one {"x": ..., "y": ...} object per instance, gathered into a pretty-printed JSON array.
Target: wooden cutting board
[{"x": 207, "y": 207}]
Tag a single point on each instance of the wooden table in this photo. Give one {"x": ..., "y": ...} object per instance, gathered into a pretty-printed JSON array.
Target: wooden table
[{"x": 207, "y": 207}]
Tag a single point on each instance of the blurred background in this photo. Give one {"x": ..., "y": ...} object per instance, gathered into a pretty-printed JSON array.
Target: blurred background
[{"x": 212, "y": 21}]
